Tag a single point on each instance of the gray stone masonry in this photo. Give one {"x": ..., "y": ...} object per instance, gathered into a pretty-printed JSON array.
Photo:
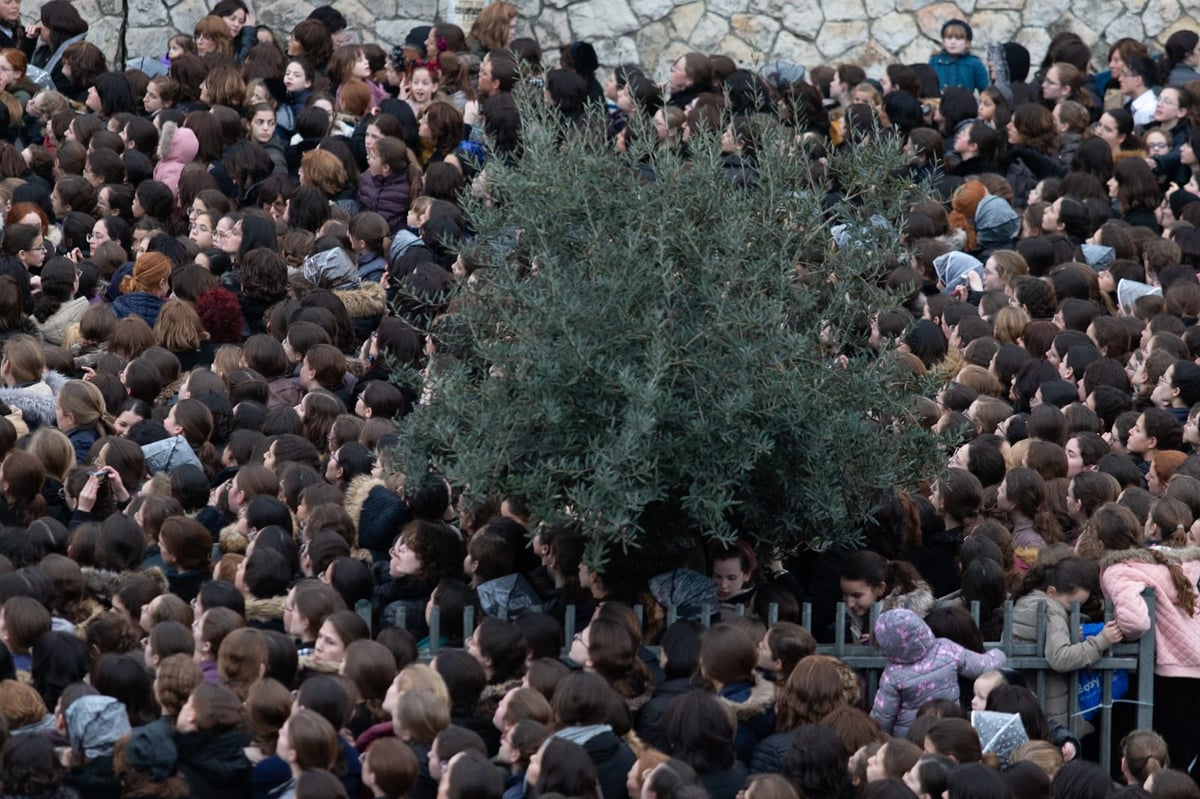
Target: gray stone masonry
[{"x": 872, "y": 33}]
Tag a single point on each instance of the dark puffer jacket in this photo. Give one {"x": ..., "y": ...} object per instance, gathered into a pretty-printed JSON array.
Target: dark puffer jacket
[
  {"x": 612, "y": 758},
  {"x": 214, "y": 763},
  {"x": 652, "y": 719},
  {"x": 386, "y": 195}
]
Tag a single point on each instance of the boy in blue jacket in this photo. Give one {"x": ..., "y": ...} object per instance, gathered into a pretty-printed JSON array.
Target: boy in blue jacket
[{"x": 955, "y": 66}]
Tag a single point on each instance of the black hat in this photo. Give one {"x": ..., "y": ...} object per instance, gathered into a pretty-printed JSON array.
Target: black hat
[
  {"x": 1017, "y": 58},
  {"x": 963, "y": 23}
]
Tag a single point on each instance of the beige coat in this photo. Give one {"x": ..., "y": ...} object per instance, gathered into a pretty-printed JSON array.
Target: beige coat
[{"x": 1063, "y": 656}]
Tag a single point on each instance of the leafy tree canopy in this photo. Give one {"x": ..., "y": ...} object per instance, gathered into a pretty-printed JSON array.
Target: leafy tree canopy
[{"x": 666, "y": 356}]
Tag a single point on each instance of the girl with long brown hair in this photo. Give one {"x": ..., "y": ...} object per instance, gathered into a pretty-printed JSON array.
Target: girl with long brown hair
[{"x": 1127, "y": 569}]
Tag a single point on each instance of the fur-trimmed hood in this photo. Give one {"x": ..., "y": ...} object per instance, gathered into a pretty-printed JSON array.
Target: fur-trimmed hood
[
  {"x": 310, "y": 663},
  {"x": 356, "y": 494},
  {"x": 262, "y": 610},
  {"x": 1127, "y": 573},
  {"x": 956, "y": 239},
  {"x": 177, "y": 143},
  {"x": 35, "y": 403},
  {"x": 760, "y": 700},
  {"x": 636, "y": 703},
  {"x": 231, "y": 541},
  {"x": 377, "y": 511},
  {"x": 369, "y": 299},
  {"x": 920, "y": 600},
  {"x": 177, "y": 147},
  {"x": 102, "y": 584},
  {"x": 1121, "y": 155},
  {"x": 1181, "y": 554}
]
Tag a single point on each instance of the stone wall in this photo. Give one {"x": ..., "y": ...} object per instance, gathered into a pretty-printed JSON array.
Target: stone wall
[{"x": 653, "y": 32}]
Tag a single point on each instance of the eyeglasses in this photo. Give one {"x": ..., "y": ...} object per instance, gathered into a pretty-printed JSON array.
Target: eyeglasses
[
  {"x": 1158, "y": 146},
  {"x": 226, "y": 234}
]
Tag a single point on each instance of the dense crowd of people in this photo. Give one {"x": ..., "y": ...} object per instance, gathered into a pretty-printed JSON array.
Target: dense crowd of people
[{"x": 214, "y": 584}]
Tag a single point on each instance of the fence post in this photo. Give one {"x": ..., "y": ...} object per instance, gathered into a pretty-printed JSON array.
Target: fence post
[
  {"x": 569, "y": 631},
  {"x": 1146, "y": 655},
  {"x": 1073, "y": 717}
]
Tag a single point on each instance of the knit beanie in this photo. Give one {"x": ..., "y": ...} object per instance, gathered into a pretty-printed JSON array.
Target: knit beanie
[{"x": 960, "y": 22}]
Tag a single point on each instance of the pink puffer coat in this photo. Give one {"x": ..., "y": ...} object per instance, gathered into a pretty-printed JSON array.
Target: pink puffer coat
[{"x": 1126, "y": 573}]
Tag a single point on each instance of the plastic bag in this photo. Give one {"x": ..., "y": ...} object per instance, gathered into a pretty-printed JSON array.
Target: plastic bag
[{"x": 1091, "y": 681}]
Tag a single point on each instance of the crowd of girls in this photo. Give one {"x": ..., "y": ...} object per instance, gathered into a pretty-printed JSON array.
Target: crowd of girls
[{"x": 213, "y": 583}]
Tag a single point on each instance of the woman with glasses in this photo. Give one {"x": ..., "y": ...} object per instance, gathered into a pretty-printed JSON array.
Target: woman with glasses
[
  {"x": 24, "y": 251},
  {"x": 1171, "y": 125},
  {"x": 1065, "y": 81},
  {"x": 110, "y": 228}
]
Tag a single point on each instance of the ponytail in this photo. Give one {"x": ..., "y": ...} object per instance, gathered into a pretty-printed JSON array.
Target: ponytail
[
  {"x": 1186, "y": 600},
  {"x": 874, "y": 569},
  {"x": 106, "y": 424},
  {"x": 209, "y": 458},
  {"x": 1066, "y": 574},
  {"x": 455, "y": 74},
  {"x": 1145, "y": 752}
]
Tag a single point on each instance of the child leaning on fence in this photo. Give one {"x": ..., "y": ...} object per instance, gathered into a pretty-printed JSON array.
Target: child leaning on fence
[
  {"x": 920, "y": 668},
  {"x": 1056, "y": 582}
]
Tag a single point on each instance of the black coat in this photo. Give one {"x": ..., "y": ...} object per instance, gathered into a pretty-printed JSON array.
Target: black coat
[
  {"x": 612, "y": 758},
  {"x": 770, "y": 753},
  {"x": 95, "y": 779},
  {"x": 214, "y": 764},
  {"x": 652, "y": 719},
  {"x": 937, "y": 560},
  {"x": 426, "y": 786},
  {"x": 724, "y": 783},
  {"x": 186, "y": 585}
]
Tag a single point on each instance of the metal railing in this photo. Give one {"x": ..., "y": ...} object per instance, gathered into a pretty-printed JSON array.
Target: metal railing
[{"x": 1136, "y": 657}]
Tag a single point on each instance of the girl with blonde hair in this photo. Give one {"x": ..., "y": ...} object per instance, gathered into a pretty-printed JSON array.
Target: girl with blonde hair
[
  {"x": 81, "y": 414},
  {"x": 54, "y": 449},
  {"x": 1010, "y": 324}
]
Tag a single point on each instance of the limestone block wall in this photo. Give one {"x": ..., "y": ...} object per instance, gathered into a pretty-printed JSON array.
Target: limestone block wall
[{"x": 653, "y": 32}]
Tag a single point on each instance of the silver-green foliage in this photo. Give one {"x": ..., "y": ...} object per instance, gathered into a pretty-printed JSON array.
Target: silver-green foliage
[{"x": 649, "y": 356}]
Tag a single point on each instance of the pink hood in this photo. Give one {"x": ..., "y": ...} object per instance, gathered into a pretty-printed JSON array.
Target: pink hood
[
  {"x": 1176, "y": 633},
  {"x": 177, "y": 147}
]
